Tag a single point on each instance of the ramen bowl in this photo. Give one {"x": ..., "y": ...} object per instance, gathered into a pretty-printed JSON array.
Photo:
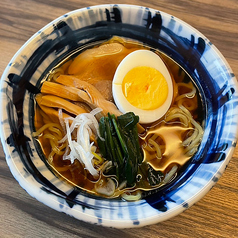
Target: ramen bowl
[{"x": 183, "y": 44}]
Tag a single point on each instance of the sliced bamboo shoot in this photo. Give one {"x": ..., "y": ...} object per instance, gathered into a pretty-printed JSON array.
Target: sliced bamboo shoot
[
  {"x": 57, "y": 102},
  {"x": 60, "y": 90},
  {"x": 52, "y": 113},
  {"x": 95, "y": 97},
  {"x": 72, "y": 81}
]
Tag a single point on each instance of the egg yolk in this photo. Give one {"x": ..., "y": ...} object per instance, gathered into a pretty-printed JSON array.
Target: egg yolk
[{"x": 145, "y": 88}]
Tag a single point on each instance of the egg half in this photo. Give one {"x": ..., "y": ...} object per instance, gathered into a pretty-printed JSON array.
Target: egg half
[{"x": 142, "y": 84}]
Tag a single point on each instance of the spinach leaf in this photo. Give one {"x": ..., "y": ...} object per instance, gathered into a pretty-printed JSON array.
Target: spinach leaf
[
  {"x": 121, "y": 145},
  {"x": 154, "y": 177}
]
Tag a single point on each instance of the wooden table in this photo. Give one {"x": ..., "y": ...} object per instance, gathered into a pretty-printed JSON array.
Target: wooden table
[{"x": 216, "y": 215}]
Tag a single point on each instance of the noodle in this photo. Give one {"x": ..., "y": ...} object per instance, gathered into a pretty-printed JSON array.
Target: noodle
[
  {"x": 132, "y": 197},
  {"x": 194, "y": 140},
  {"x": 157, "y": 148},
  {"x": 170, "y": 174},
  {"x": 46, "y": 126},
  {"x": 51, "y": 157},
  {"x": 177, "y": 114},
  {"x": 187, "y": 95}
]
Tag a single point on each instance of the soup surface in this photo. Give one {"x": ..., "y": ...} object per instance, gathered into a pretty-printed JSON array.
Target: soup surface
[{"x": 91, "y": 144}]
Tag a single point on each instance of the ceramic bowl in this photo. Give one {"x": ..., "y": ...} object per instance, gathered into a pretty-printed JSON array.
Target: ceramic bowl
[{"x": 185, "y": 45}]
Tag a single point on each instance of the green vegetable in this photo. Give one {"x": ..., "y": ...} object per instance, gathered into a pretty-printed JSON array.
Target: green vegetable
[
  {"x": 101, "y": 143},
  {"x": 154, "y": 177},
  {"x": 121, "y": 145},
  {"x": 109, "y": 140},
  {"x": 129, "y": 122}
]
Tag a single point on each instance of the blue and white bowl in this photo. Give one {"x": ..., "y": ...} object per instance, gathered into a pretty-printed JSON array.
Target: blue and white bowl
[{"x": 184, "y": 44}]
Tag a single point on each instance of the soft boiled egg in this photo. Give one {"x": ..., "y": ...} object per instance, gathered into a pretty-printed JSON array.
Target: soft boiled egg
[{"x": 142, "y": 84}]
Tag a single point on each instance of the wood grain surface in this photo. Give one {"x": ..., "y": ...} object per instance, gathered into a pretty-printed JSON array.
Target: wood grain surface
[{"x": 216, "y": 215}]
